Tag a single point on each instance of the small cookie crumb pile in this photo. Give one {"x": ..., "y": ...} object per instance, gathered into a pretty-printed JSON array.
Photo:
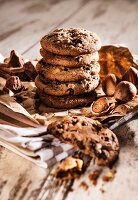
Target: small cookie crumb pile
[{"x": 69, "y": 68}]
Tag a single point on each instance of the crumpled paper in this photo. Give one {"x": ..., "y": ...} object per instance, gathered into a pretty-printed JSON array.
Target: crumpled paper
[{"x": 22, "y": 134}]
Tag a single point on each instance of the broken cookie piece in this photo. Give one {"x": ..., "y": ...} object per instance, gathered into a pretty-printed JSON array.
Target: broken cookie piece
[
  {"x": 14, "y": 66},
  {"x": 14, "y": 84},
  {"x": 93, "y": 176},
  {"x": 89, "y": 136},
  {"x": 15, "y": 60},
  {"x": 70, "y": 168},
  {"x": 73, "y": 166},
  {"x": 30, "y": 71}
]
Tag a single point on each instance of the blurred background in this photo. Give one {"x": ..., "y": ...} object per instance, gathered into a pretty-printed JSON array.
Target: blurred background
[{"x": 24, "y": 22}]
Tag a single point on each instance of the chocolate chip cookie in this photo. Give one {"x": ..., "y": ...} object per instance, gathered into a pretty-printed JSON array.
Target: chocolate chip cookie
[
  {"x": 68, "y": 61},
  {"x": 72, "y": 41},
  {"x": 73, "y": 88},
  {"x": 65, "y": 74},
  {"x": 68, "y": 101},
  {"x": 88, "y": 136}
]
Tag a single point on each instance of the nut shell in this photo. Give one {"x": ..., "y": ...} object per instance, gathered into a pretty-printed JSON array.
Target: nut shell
[
  {"x": 125, "y": 91},
  {"x": 132, "y": 76},
  {"x": 109, "y": 84},
  {"x": 101, "y": 106},
  {"x": 122, "y": 109}
]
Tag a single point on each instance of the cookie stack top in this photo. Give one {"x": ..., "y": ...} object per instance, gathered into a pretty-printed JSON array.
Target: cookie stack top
[
  {"x": 71, "y": 42},
  {"x": 69, "y": 67}
]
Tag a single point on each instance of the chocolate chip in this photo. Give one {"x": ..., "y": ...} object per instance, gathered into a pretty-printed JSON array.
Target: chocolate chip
[
  {"x": 70, "y": 91},
  {"x": 57, "y": 82},
  {"x": 80, "y": 144},
  {"x": 79, "y": 82},
  {"x": 57, "y": 133},
  {"x": 77, "y": 40},
  {"x": 87, "y": 87},
  {"x": 113, "y": 138},
  {"x": 65, "y": 69},
  {"x": 87, "y": 68},
  {"x": 74, "y": 121},
  {"x": 60, "y": 126},
  {"x": 84, "y": 124},
  {"x": 74, "y": 117},
  {"x": 42, "y": 62},
  {"x": 98, "y": 128},
  {"x": 106, "y": 139},
  {"x": 103, "y": 155}
]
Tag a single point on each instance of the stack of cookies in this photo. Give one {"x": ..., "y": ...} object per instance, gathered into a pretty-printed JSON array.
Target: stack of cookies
[{"x": 68, "y": 73}]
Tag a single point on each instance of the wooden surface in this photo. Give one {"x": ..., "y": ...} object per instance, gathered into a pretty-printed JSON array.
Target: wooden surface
[{"x": 22, "y": 24}]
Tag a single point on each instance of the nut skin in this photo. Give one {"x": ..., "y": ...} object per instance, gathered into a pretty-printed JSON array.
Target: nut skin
[
  {"x": 125, "y": 91},
  {"x": 109, "y": 84},
  {"x": 131, "y": 75}
]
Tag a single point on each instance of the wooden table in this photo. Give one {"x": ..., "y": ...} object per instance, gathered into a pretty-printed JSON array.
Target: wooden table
[{"x": 22, "y": 24}]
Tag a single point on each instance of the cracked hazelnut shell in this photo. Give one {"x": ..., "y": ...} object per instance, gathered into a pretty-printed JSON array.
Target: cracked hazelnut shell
[
  {"x": 109, "y": 84},
  {"x": 101, "y": 106},
  {"x": 125, "y": 91},
  {"x": 131, "y": 75}
]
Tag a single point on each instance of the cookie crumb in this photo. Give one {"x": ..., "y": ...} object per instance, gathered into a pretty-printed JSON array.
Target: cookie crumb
[
  {"x": 95, "y": 175},
  {"x": 69, "y": 169},
  {"x": 109, "y": 176},
  {"x": 84, "y": 185},
  {"x": 102, "y": 190}
]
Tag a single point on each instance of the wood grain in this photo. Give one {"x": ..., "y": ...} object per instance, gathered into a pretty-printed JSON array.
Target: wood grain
[
  {"x": 34, "y": 20},
  {"x": 110, "y": 20}
]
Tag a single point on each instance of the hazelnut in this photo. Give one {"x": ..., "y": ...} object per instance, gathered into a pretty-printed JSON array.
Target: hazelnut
[
  {"x": 101, "y": 106},
  {"x": 131, "y": 75},
  {"x": 125, "y": 91},
  {"x": 108, "y": 84}
]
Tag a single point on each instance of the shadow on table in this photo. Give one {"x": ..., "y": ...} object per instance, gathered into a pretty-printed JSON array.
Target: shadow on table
[{"x": 127, "y": 133}]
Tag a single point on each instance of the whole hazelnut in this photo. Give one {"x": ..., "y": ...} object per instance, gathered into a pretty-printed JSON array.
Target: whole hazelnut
[
  {"x": 109, "y": 84},
  {"x": 125, "y": 91},
  {"x": 131, "y": 75}
]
